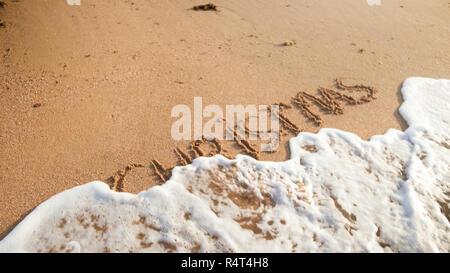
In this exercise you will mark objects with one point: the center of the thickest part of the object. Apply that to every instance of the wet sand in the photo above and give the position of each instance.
(87, 90)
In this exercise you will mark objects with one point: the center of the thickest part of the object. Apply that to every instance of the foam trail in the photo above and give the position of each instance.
(337, 193)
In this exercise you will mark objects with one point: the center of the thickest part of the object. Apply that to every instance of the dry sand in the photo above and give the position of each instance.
(87, 90)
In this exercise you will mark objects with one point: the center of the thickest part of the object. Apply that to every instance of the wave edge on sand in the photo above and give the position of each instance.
(337, 193)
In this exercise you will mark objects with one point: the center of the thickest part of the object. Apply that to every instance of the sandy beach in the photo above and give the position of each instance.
(88, 90)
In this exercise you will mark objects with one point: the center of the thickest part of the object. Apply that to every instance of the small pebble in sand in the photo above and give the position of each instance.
(209, 6)
(8, 52)
(37, 105)
(361, 50)
(289, 43)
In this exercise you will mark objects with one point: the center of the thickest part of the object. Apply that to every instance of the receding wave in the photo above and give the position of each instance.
(337, 193)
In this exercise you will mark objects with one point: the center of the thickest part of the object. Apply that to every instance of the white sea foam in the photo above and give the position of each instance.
(338, 193)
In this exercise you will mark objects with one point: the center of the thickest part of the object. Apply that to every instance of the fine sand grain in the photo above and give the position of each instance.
(86, 91)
